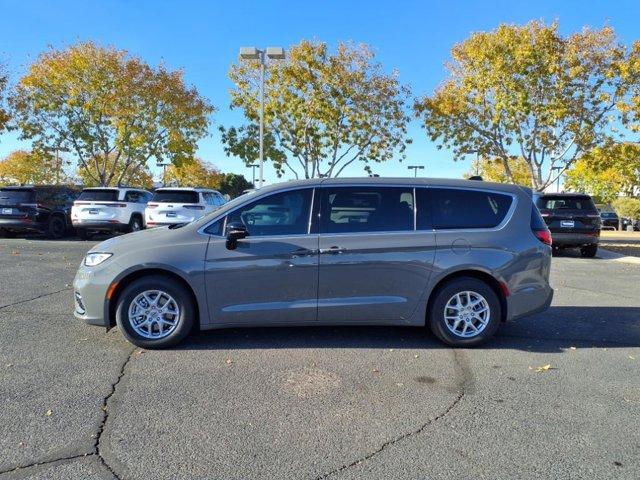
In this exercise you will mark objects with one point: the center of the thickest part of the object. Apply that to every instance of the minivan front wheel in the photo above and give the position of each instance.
(155, 312)
(465, 312)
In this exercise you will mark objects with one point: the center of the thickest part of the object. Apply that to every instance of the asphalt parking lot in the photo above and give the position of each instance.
(314, 403)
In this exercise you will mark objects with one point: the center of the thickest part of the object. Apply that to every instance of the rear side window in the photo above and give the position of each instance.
(459, 209)
(366, 209)
(99, 195)
(12, 196)
(566, 203)
(135, 196)
(176, 196)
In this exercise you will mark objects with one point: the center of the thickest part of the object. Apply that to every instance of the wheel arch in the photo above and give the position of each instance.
(119, 284)
(496, 285)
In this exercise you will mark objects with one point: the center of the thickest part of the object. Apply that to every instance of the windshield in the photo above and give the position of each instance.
(175, 196)
(566, 203)
(99, 195)
(12, 196)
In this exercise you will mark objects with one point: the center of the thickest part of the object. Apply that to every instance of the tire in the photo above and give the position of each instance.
(442, 298)
(135, 224)
(83, 233)
(555, 251)
(56, 227)
(172, 335)
(589, 251)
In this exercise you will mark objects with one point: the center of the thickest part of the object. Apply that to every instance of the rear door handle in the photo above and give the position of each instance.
(333, 250)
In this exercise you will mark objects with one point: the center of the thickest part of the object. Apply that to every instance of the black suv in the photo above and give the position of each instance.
(44, 209)
(572, 219)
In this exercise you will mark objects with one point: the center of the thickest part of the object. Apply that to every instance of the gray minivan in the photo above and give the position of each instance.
(457, 256)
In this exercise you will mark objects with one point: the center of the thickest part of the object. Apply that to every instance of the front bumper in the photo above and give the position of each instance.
(90, 288)
(574, 239)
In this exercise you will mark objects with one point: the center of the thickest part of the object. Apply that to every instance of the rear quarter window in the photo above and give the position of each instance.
(462, 209)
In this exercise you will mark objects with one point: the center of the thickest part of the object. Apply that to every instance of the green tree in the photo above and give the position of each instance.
(629, 106)
(97, 102)
(139, 176)
(528, 91)
(4, 114)
(194, 173)
(492, 170)
(607, 171)
(323, 111)
(31, 168)
(233, 184)
(627, 207)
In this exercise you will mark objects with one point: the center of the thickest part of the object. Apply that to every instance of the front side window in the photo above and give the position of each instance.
(455, 208)
(285, 213)
(366, 209)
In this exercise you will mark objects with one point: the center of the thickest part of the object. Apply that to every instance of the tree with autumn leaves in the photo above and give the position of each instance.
(111, 111)
(528, 92)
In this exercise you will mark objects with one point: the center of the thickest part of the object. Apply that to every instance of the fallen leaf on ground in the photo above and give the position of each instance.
(229, 361)
(15, 252)
(416, 356)
(375, 370)
(9, 365)
(543, 368)
(632, 357)
(49, 413)
(572, 348)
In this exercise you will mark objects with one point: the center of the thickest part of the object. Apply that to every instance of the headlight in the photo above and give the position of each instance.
(93, 259)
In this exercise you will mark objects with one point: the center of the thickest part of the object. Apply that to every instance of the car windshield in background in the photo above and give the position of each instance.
(608, 215)
(99, 195)
(175, 196)
(566, 203)
(12, 196)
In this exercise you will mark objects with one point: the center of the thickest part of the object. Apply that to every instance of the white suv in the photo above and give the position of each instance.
(173, 205)
(109, 209)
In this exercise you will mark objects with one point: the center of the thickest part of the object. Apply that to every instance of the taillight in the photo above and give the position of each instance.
(544, 236)
(545, 213)
(194, 207)
(152, 205)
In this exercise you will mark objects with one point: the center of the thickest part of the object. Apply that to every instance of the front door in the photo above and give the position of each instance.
(271, 277)
(374, 264)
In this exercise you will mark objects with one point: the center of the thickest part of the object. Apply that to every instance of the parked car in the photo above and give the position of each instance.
(43, 209)
(459, 256)
(609, 220)
(170, 206)
(109, 209)
(630, 222)
(573, 220)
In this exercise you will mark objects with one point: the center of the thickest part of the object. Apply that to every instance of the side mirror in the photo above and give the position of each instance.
(235, 231)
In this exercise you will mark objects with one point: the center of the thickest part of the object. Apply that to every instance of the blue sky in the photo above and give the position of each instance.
(203, 37)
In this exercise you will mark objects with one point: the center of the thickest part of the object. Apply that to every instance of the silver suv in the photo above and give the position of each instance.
(457, 256)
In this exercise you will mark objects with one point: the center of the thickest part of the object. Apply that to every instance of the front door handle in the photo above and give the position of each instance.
(302, 252)
(333, 250)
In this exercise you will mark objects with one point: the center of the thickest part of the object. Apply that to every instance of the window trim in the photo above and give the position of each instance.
(224, 218)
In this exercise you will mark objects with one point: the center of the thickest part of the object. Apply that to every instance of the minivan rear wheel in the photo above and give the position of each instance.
(465, 312)
(155, 312)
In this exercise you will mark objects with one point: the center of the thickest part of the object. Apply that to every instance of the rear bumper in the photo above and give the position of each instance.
(574, 239)
(529, 303)
(106, 225)
(22, 224)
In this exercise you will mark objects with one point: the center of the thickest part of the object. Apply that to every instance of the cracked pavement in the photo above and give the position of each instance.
(315, 403)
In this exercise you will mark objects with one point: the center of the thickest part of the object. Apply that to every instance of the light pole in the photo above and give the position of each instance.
(253, 53)
(164, 171)
(253, 173)
(415, 169)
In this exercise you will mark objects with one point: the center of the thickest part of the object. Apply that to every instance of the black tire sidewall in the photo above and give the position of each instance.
(589, 251)
(135, 219)
(51, 231)
(436, 319)
(180, 295)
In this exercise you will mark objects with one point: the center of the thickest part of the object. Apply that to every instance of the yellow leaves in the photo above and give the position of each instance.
(23, 167)
(194, 172)
(48, 413)
(543, 368)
